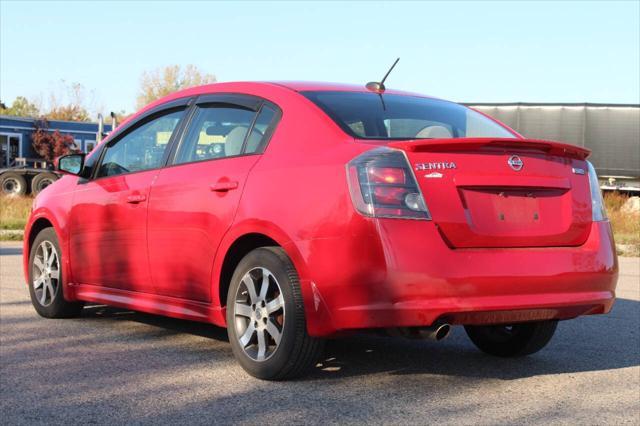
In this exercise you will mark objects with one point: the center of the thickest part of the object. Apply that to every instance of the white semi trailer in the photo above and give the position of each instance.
(610, 131)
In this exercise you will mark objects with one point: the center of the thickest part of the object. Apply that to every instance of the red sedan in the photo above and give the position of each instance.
(293, 212)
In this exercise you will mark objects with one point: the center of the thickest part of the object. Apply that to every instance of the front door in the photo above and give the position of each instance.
(194, 201)
(108, 219)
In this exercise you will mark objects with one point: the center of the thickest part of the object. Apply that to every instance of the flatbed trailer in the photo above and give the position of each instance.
(27, 176)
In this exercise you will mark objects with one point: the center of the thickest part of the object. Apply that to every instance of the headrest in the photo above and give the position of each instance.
(434, 132)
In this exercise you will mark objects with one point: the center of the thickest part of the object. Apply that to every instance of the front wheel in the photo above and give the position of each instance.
(266, 319)
(512, 340)
(46, 278)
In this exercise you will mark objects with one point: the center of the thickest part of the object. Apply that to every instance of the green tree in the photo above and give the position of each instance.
(163, 81)
(21, 107)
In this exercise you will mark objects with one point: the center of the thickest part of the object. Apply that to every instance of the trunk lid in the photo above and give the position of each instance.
(501, 193)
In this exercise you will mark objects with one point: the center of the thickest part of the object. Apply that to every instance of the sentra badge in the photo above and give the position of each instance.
(441, 165)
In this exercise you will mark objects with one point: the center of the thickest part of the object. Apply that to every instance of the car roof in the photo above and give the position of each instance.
(250, 86)
(296, 86)
(320, 86)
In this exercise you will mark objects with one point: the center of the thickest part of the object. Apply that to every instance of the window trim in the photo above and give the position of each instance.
(234, 100)
(266, 137)
(177, 105)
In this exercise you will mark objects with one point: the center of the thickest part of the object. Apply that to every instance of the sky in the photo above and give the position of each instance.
(463, 51)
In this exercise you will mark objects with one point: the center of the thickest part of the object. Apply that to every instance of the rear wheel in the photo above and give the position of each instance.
(512, 340)
(13, 184)
(41, 181)
(266, 319)
(45, 278)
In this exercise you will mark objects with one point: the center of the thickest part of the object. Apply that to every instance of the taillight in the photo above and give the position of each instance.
(383, 185)
(598, 212)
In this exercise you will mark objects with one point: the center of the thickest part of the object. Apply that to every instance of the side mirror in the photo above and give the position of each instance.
(71, 164)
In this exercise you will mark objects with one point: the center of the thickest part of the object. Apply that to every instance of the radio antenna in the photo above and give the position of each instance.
(379, 87)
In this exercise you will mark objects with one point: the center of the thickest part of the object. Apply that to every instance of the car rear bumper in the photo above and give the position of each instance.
(410, 277)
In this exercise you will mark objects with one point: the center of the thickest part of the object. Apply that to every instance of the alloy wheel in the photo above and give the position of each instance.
(46, 273)
(259, 314)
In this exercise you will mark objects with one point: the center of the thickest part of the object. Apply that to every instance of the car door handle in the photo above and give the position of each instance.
(224, 186)
(136, 198)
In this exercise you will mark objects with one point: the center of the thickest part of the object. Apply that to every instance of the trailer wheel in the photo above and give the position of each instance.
(41, 181)
(13, 184)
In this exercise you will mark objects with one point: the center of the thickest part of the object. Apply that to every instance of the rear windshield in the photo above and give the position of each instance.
(389, 116)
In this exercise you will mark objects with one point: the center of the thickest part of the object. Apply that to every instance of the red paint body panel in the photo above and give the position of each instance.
(108, 234)
(187, 221)
(482, 203)
(483, 258)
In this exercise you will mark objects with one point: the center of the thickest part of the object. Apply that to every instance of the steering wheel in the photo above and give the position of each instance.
(215, 150)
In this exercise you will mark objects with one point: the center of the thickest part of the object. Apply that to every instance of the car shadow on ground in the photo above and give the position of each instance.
(592, 343)
(170, 324)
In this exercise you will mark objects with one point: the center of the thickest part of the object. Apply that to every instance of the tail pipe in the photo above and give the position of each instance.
(100, 133)
(114, 121)
(436, 332)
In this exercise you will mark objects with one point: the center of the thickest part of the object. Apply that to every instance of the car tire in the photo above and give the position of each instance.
(512, 340)
(41, 181)
(276, 312)
(13, 184)
(46, 278)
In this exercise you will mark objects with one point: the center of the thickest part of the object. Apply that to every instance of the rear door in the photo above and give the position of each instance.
(193, 202)
(503, 192)
(108, 218)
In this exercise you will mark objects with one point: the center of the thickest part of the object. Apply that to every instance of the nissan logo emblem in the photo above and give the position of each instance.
(515, 163)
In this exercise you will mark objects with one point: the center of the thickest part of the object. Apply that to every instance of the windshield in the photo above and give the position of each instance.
(389, 116)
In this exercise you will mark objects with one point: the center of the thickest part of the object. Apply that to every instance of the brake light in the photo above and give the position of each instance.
(598, 212)
(383, 185)
(386, 175)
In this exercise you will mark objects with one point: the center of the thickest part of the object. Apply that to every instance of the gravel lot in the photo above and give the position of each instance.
(115, 366)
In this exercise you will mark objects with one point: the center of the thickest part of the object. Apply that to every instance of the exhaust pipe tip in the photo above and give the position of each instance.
(441, 332)
(436, 332)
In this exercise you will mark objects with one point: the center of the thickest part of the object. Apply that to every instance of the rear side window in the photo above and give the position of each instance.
(215, 132)
(391, 116)
(262, 126)
(143, 148)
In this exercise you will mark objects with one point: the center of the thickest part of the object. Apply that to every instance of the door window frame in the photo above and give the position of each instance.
(190, 105)
(183, 104)
(232, 100)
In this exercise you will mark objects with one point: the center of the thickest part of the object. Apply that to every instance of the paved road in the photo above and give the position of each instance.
(115, 366)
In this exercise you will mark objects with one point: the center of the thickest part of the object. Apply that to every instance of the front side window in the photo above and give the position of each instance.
(141, 149)
(391, 116)
(215, 132)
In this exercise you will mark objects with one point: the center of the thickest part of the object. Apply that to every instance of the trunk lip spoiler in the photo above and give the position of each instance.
(508, 144)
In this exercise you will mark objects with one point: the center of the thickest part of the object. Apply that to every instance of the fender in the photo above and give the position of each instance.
(316, 323)
(60, 230)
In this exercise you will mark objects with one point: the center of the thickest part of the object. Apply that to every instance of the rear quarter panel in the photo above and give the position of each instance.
(298, 195)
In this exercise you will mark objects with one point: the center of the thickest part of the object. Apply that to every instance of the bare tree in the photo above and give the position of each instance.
(163, 81)
(68, 105)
